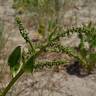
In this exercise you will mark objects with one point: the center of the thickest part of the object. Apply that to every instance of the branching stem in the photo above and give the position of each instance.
(12, 82)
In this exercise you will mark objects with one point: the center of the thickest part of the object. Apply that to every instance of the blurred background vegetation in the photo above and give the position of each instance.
(1, 33)
(41, 11)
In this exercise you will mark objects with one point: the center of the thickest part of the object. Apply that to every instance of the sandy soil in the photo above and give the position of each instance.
(46, 83)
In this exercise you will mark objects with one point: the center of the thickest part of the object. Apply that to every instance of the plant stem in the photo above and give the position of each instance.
(12, 83)
(31, 45)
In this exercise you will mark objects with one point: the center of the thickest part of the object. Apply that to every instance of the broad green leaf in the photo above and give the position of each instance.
(28, 66)
(14, 60)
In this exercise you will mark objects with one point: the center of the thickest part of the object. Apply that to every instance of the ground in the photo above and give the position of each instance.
(46, 83)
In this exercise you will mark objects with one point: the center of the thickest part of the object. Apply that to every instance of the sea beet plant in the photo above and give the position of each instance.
(21, 61)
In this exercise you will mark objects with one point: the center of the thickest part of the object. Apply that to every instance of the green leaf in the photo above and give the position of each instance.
(14, 60)
(28, 66)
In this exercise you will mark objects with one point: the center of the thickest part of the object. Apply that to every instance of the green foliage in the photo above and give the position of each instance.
(33, 5)
(30, 61)
(49, 64)
(35, 10)
(29, 65)
(2, 38)
(0, 93)
(86, 33)
(24, 33)
(1, 28)
(14, 60)
(91, 62)
(83, 55)
(42, 28)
